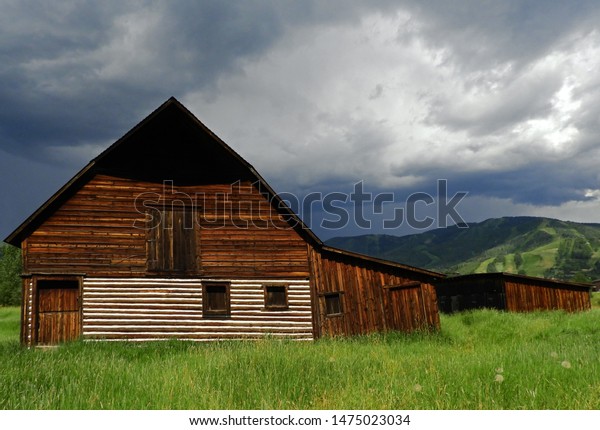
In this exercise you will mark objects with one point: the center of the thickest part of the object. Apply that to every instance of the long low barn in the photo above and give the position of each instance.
(506, 291)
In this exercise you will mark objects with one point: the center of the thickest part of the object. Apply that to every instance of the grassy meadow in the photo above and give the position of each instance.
(480, 360)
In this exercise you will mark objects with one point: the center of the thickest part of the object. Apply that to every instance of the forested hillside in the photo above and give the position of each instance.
(10, 269)
(526, 245)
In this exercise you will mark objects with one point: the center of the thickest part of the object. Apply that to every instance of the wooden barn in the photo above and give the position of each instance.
(169, 233)
(506, 291)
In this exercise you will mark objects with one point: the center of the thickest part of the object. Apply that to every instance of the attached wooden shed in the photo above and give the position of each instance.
(506, 291)
(169, 233)
(358, 294)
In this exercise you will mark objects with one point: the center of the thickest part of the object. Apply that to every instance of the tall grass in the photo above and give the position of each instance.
(596, 300)
(9, 324)
(480, 360)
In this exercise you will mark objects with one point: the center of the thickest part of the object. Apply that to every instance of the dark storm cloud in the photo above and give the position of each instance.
(545, 182)
(34, 110)
(556, 188)
(500, 97)
(76, 72)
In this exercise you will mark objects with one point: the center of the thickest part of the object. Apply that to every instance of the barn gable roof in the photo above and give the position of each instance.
(171, 143)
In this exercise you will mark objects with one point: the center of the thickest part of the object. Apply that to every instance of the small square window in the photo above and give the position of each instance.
(333, 304)
(276, 297)
(215, 300)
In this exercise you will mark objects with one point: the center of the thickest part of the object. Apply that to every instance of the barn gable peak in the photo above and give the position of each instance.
(170, 144)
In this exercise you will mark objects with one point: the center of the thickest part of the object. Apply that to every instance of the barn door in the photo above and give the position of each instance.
(58, 316)
(172, 240)
(405, 310)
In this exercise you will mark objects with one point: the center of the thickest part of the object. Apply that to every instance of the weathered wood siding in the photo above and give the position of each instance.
(404, 307)
(59, 315)
(523, 296)
(155, 308)
(510, 292)
(100, 231)
(50, 309)
(369, 303)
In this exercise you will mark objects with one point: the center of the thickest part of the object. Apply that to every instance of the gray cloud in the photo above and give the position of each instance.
(501, 98)
(521, 98)
(482, 35)
(80, 71)
(83, 72)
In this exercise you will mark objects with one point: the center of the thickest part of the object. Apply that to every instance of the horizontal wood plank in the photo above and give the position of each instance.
(100, 231)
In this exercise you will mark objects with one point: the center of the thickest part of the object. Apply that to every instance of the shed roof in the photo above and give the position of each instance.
(172, 143)
(555, 283)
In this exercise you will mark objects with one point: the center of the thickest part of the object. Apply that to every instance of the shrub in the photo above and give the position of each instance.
(10, 269)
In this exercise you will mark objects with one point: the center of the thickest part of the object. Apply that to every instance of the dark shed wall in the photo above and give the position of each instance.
(374, 297)
(510, 292)
(455, 295)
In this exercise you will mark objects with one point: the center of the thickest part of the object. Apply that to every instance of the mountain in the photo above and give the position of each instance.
(527, 245)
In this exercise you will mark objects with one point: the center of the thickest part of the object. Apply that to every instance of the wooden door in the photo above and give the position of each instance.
(405, 310)
(58, 317)
(172, 241)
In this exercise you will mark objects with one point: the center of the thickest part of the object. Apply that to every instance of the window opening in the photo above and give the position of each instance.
(333, 304)
(276, 297)
(215, 300)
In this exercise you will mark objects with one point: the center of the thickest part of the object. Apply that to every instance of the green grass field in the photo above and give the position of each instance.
(479, 360)
(9, 325)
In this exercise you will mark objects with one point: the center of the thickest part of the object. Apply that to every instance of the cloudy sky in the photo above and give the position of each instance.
(502, 99)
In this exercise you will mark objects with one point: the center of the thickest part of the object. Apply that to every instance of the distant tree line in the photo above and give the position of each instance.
(10, 269)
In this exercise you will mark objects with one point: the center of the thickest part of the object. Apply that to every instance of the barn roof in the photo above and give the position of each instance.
(349, 255)
(172, 143)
